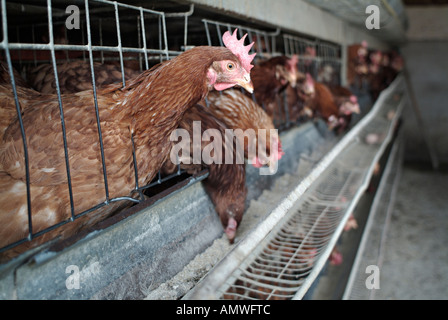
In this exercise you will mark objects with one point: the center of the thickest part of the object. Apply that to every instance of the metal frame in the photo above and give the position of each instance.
(371, 249)
(326, 54)
(268, 37)
(52, 47)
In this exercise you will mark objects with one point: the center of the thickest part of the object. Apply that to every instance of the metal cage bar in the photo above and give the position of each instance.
(61, 112)
(52, 47)
(320, 59)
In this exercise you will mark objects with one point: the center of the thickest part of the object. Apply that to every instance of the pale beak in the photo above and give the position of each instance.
(246, 83)
(356, 109)
(294, 79)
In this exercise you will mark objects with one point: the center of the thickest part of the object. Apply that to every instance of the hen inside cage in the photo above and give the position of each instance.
(51, 58)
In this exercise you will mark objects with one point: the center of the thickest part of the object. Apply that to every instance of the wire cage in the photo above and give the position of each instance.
(128, 39)
(320, 59)
(265, 42)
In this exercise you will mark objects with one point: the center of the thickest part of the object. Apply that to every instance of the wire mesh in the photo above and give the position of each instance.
(392, 11)
(136, 37)
(265, 43)
(322, 60)
(46, 39)
(371, 248)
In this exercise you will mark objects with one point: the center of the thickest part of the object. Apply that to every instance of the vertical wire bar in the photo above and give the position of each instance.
(67, 55)
(207, 32)
(100, 135)
(18, 40)
(218, 31)
(185, 32)
(249, 36)
(33, 39)
(165, 37)
(61, 111)
(120, 48)
(142, 23)
(83, 40)
(19, 115)
(285, 44)
(160, 37)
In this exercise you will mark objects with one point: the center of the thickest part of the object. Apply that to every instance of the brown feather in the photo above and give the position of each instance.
(75, 76)
(226, 183)
(149, 108)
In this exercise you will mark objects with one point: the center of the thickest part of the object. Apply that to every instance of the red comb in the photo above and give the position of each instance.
(237, 47)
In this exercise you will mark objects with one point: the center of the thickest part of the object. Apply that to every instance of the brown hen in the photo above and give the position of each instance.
(238, 111)
(270, 78)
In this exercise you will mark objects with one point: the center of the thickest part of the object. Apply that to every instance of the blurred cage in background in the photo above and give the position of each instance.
(320, 59)
(265, 42)
(135, 38)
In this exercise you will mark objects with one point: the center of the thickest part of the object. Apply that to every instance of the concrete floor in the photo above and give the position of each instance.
(416, 253)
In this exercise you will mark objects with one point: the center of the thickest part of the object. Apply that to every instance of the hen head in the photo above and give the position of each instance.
(305, 86)
(225, 74)
(350, 106)
(288, 72)
(231, 215)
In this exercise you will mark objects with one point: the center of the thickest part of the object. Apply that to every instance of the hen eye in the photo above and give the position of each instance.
(230, 66)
